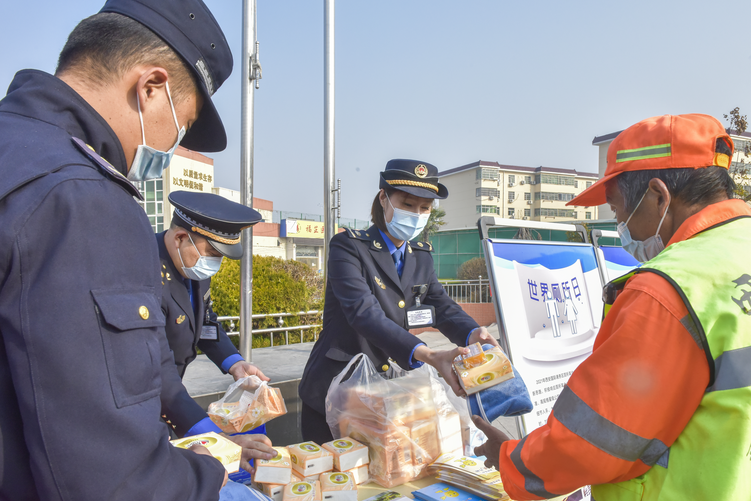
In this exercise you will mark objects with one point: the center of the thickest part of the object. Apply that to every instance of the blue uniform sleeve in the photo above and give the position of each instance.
(205, 425)
(466, 343)
(414, 364)
(230, 361)
(218, 351)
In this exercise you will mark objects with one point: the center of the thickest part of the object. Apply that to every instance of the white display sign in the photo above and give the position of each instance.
(549, 296)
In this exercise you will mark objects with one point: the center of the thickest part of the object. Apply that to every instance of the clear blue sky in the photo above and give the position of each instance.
(525, 83)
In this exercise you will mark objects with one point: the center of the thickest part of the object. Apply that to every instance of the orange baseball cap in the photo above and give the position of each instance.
(664, 142)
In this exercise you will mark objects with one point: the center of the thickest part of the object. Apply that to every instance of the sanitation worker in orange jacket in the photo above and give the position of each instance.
(639, 418)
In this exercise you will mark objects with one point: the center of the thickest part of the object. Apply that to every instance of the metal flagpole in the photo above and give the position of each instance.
(251, 73)
(329, 187)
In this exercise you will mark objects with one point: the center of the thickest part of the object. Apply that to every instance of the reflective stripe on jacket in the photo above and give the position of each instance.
(626, 405)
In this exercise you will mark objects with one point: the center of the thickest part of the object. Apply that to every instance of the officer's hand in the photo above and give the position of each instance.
(443, 363)
(243, 369)
(200, 449)
(482, 336)
(254, 447)
(492, 448)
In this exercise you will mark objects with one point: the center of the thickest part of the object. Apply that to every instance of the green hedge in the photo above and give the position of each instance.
(279, 286)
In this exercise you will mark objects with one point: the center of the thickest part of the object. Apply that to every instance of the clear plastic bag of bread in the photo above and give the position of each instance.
(396, 418)
(247, 404)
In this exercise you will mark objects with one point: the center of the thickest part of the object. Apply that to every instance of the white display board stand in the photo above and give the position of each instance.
(614, 262)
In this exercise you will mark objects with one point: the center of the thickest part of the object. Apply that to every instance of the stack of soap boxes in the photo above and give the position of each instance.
(306, 471)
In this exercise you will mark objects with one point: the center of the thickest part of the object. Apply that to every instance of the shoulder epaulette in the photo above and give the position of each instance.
(358, 234)
(107, 167)
(421, 246)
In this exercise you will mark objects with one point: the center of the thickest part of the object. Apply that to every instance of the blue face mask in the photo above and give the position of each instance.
(406, 225)
(148, 162)
(642, 250)
(205, 267)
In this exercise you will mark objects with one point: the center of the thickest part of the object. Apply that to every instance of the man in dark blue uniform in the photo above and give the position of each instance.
(205, 228)
(381, 283)
(83, 356)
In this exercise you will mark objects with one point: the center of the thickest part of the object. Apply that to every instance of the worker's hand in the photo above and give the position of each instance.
(243, 369)
(492, 448)
(482, 336)
(200, 449)
(254, 447)
(443, 363)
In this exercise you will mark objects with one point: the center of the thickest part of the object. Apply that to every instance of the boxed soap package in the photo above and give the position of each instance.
(348, 453)
(478, 371)
(338, 486)
(302, 491)
(227, 452)
(308, 458)
(360, 474)
(275, 491)
(277, 470)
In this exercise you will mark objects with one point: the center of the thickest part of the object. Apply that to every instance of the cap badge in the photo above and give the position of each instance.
(421, 170)
(379, 283)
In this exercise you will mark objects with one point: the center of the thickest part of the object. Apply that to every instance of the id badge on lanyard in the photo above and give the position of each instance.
(209, 329)
(420, 315)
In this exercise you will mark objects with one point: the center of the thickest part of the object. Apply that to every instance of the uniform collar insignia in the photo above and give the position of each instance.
(377, 244)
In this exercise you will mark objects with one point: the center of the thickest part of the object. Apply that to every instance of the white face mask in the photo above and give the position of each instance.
(406, 225)
(205, 267)
(642, 250)
(149, 163)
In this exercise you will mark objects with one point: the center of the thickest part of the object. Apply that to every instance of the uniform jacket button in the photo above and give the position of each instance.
(385, 367)
(401, 304)
(144, 312)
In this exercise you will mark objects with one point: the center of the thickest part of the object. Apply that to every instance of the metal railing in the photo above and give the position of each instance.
(468, 291)
(280, 320)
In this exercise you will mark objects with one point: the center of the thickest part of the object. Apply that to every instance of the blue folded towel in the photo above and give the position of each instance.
(509, 398)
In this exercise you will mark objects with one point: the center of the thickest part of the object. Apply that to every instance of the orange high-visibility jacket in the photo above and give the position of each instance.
(641, 385)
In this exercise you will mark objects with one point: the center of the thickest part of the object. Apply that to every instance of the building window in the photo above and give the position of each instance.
(555, 213)
(587, 215)
(511, 196)
(511, 213)
(528, 179)
(153, 205)
(589, 183)
(487, 209)
(555, 197)
(511, 178)
(488, 192)
(527, 196)
(555, 179)
(487, 173)
(527, 212)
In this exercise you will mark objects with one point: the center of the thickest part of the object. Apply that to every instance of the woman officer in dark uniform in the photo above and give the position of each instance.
(375, 278)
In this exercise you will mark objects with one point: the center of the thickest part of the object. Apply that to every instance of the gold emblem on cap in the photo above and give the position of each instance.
(180, 319)
(385, 367)
(401, 304)
(144, 312)
(377, 245)
(379, 283)
(421, 170)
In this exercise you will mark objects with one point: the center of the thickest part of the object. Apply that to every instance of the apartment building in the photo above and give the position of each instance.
(533, 193)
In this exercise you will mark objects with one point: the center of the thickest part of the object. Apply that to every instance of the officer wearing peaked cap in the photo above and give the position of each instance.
(205, 228)
(380, 282)
(80, 291)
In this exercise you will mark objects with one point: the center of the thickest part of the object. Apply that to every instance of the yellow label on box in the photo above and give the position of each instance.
(496, 369)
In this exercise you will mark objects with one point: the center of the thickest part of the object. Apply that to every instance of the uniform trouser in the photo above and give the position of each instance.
(314, 427)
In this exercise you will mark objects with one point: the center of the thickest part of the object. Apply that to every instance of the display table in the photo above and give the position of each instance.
(370, 489)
